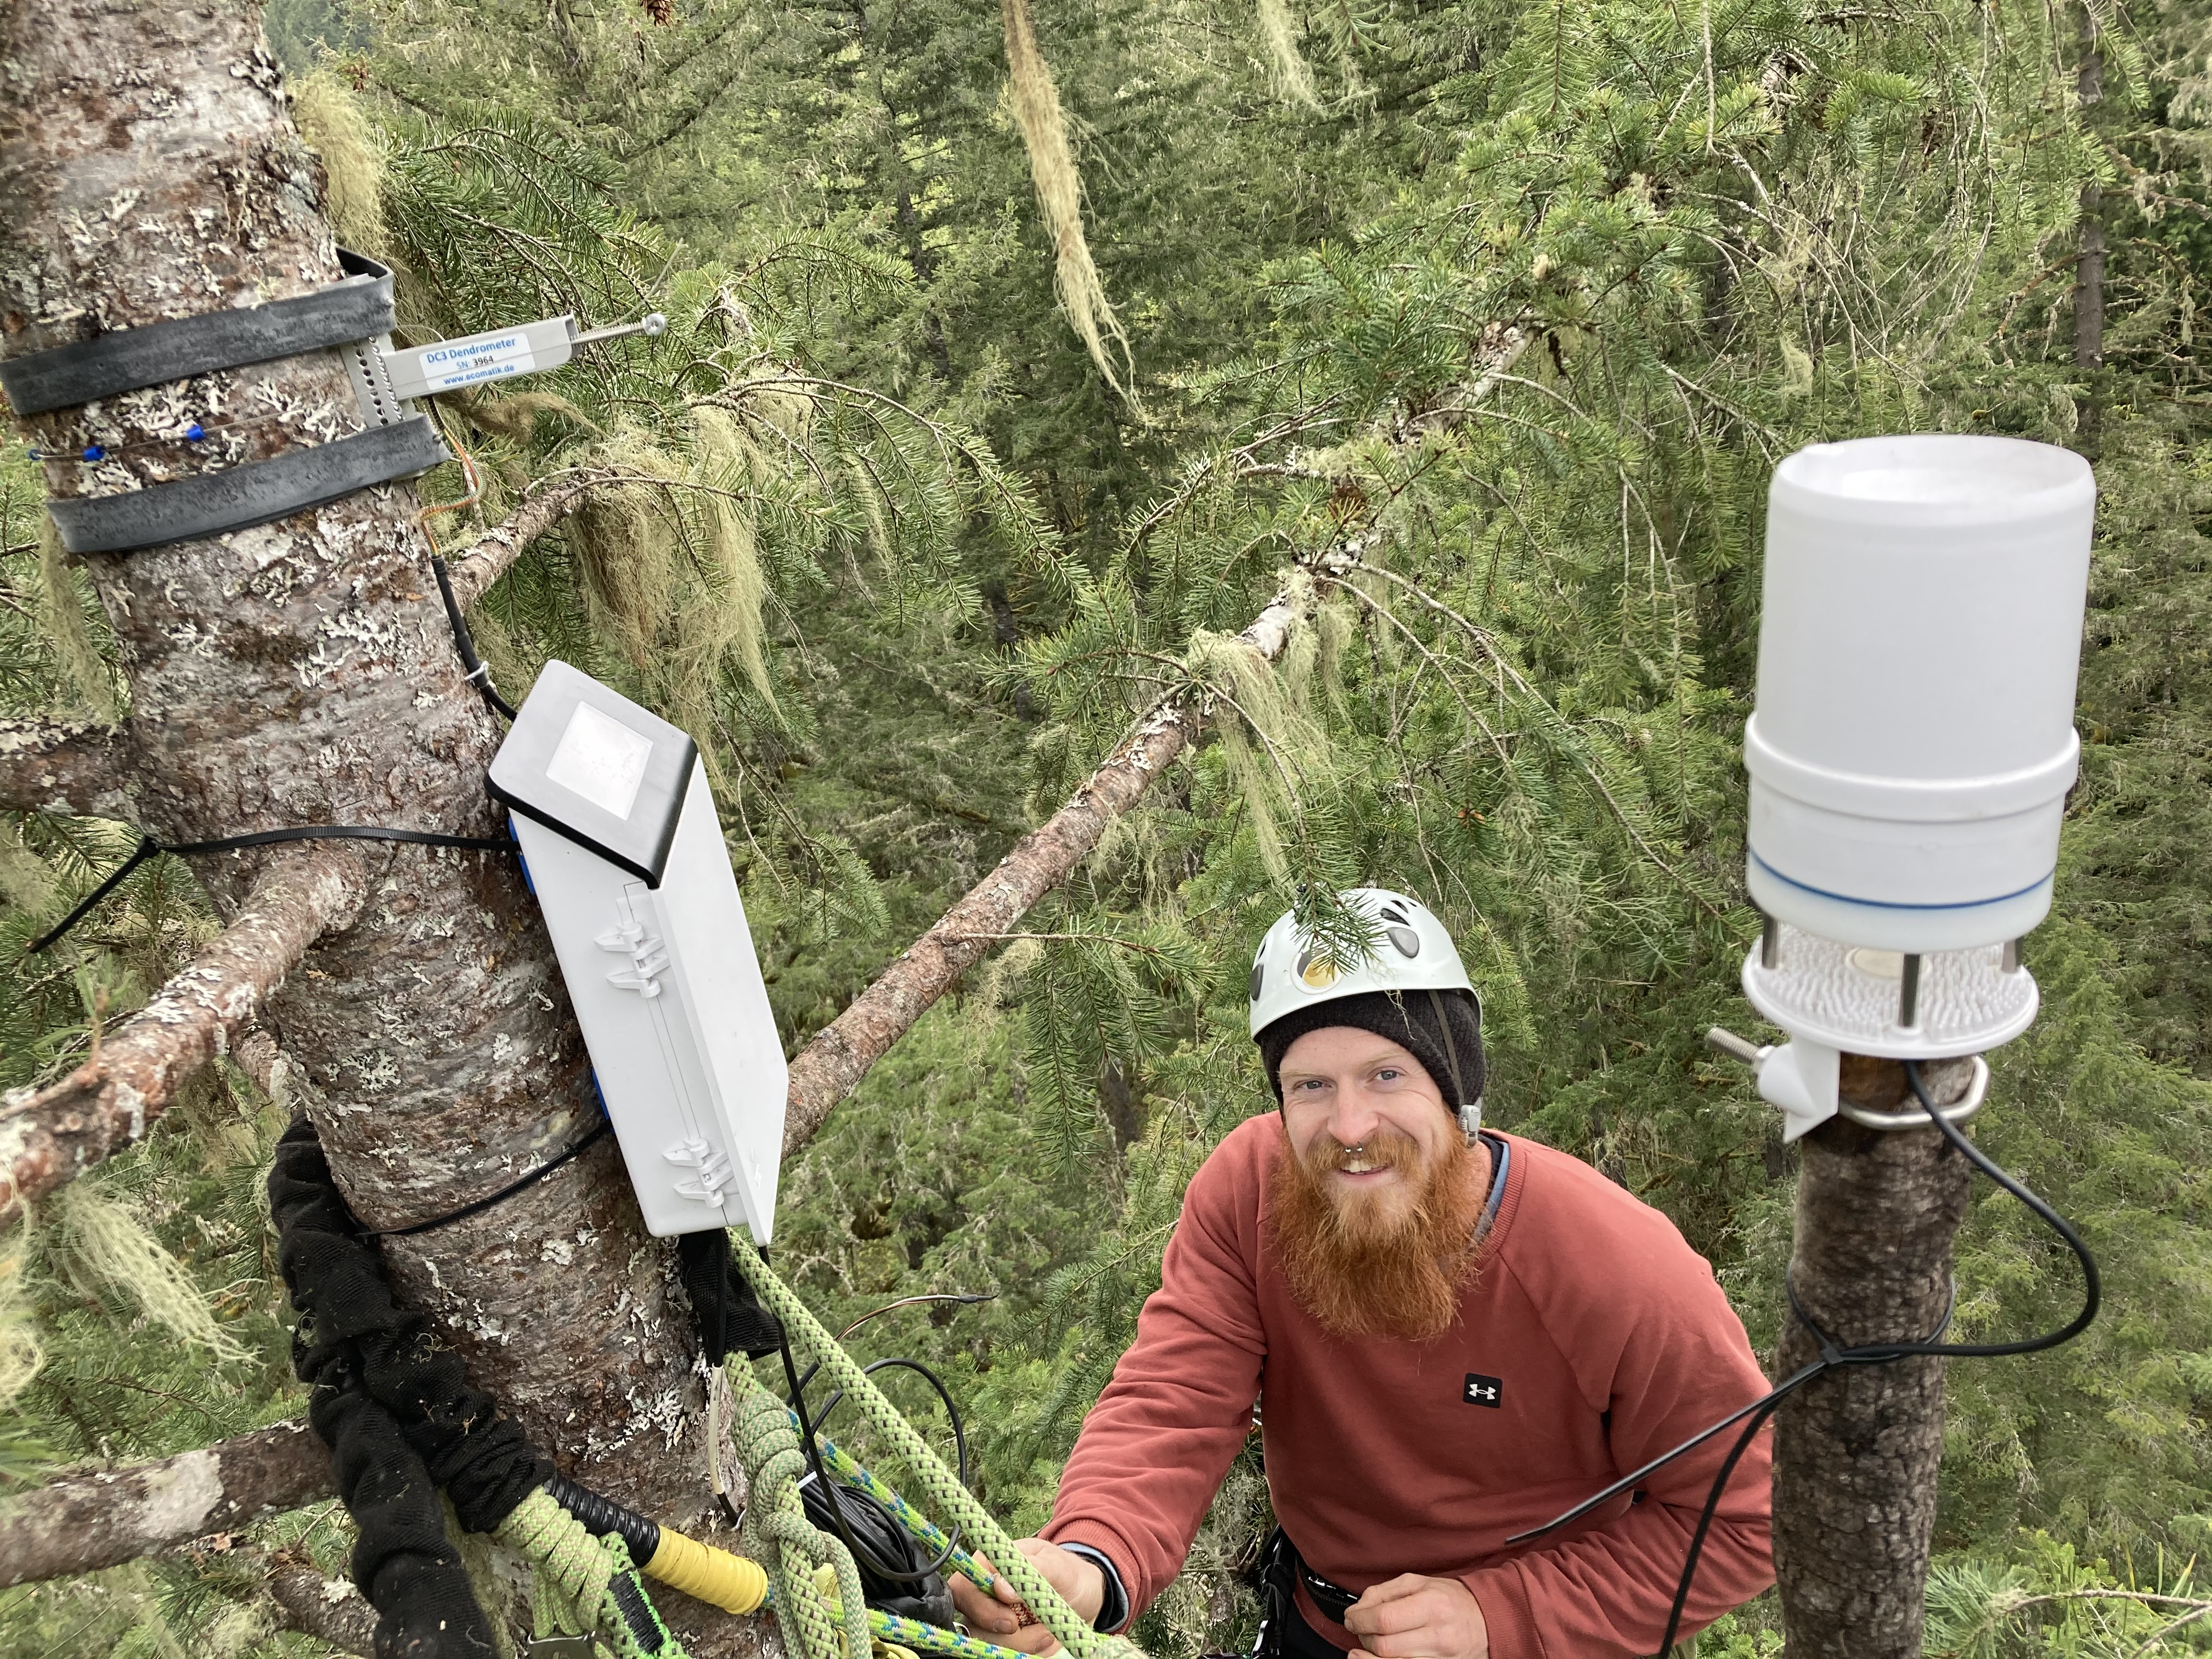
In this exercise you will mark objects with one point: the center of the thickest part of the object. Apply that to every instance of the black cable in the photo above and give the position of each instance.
(959, 1437)
(505, 1193)
(1870, 1353)
(1765, 1409)
(147, 846)
(835, 1492)
(479, 674)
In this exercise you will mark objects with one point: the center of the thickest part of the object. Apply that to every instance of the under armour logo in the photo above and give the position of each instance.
(1483, 1390)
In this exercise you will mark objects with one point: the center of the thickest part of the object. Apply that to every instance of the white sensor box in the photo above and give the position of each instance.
(623, 847)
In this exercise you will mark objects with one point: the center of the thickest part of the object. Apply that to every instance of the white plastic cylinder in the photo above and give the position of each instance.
(1920, 634)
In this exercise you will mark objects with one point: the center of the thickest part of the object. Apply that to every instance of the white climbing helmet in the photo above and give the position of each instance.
(1414, 954)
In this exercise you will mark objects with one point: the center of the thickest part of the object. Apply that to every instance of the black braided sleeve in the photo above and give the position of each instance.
(350, 1323)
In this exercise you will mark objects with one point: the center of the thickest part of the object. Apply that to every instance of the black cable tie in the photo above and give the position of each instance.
(500, 1197)
(147, 846)
(231, 498)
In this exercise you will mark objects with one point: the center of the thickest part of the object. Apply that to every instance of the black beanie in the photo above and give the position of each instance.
(1409, 1019)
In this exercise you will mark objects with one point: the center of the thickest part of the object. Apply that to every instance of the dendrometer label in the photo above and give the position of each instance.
(481, 357)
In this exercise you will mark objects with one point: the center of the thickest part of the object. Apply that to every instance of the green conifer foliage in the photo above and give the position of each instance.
(1478, 328)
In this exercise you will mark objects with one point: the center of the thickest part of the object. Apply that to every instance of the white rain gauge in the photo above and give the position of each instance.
(623, 847)
(1911, 753)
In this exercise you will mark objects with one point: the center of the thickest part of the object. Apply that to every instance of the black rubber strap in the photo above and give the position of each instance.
(147, 846)
(240, 498)
(358, 308)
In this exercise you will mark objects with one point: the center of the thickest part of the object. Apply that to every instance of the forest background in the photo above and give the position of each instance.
(1486, 320)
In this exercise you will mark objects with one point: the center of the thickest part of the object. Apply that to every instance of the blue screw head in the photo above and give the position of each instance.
(194, 433)
(95, 453)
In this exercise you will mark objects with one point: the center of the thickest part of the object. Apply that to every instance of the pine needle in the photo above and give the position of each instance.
(72, 639)
(1036, 103)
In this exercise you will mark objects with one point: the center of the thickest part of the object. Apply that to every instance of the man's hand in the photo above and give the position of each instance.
(999, 1616)
(1412, 1617)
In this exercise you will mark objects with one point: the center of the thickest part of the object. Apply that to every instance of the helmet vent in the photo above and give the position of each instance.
(1392, 913)
(1407, 941)
(1259, 977)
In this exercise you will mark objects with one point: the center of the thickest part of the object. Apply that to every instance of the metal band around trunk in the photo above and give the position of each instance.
(125, 359)
(240, 498)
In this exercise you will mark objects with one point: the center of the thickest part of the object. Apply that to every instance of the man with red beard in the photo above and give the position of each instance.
(1453, 1335)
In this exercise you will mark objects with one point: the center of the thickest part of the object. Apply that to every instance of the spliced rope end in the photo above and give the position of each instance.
(586, 1581)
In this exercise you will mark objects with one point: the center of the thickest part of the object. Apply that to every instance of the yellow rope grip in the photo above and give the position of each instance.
(715, 1575)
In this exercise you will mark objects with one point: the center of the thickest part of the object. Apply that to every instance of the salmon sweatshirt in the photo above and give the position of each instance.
(1589, 1340)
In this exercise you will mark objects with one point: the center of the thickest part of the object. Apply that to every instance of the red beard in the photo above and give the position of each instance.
(1368, 1264)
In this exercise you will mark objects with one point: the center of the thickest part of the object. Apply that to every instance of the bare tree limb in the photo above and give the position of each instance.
(329, 1609)
(83, 1523)
(545, 506)
(49, 1136)
(828, 1068)
(76, 767)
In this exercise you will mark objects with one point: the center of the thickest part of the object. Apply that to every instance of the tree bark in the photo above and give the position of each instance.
(301, 672)
(64, 765)
(50, 1136)
(83, 1523)
(1856, 1450)
(329, 1609)
(830, 1067)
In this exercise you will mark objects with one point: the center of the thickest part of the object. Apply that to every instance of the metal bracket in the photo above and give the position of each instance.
(1959, 1112)
(1801, 1077)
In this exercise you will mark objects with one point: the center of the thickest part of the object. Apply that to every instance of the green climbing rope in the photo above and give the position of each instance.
(941, 1488)
(583, 1585)
(778, 1534)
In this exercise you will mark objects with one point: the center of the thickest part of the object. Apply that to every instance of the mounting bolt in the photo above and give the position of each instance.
(1908, 991)
(1770, 942)
(1736, 1047)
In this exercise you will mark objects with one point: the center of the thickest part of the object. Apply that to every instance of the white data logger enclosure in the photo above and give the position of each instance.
(624, 849)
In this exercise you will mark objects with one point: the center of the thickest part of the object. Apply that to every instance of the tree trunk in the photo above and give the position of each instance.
(301, 673)
(1856, 1450)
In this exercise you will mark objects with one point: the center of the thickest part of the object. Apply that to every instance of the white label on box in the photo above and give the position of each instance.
(483, 357)
(601, 759)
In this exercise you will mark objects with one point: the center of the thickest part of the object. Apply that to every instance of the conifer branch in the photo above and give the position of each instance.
(548, 502)
(830, 1067)
(76, 767)
(83, 1523)
(329, 1609)
(50, 1136)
